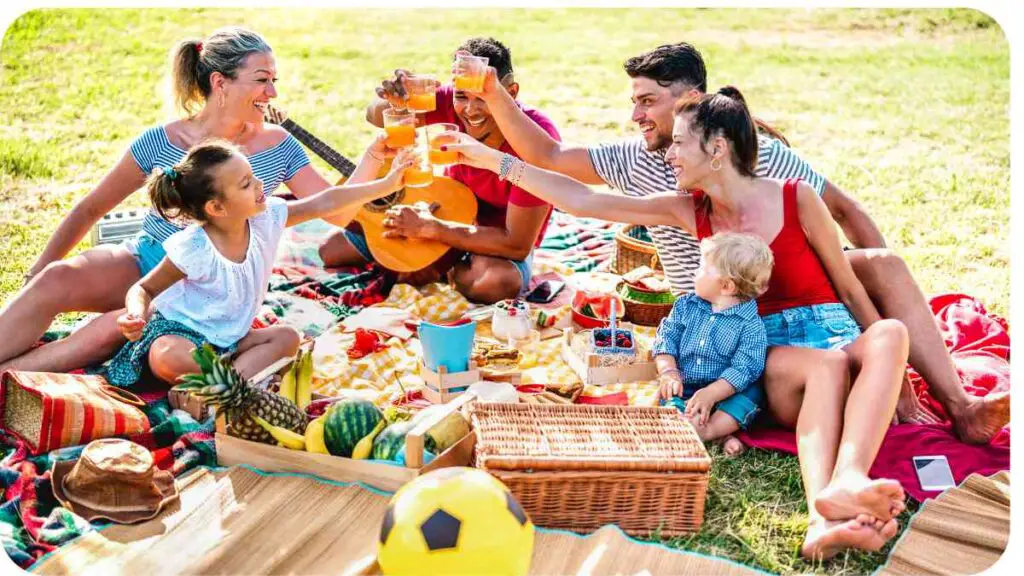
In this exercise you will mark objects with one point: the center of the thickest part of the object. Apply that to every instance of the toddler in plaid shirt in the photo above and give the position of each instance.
(710, 349)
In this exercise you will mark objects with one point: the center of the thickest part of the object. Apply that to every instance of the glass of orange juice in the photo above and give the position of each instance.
(421, 173)
(400, 126)
(470, 72)
(439, 135)
(422, 91)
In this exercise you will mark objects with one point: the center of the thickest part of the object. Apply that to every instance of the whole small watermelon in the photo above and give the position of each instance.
(347, 422)
(389, 443)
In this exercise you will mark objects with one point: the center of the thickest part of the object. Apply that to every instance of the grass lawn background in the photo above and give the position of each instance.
(908, 110)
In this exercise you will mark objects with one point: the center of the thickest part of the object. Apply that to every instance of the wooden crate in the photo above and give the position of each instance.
(591, 372)
(438, 385)
(233, 451)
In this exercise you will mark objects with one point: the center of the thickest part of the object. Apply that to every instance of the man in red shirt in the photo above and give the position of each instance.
(510, 221)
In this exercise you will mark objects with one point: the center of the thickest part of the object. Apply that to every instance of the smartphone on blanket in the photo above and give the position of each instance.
(545, 291)
(933, 472)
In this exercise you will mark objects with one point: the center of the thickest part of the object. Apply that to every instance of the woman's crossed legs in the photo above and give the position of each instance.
(839, 429)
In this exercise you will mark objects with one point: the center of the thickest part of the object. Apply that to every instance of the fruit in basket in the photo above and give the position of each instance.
(284, 436)
(347, 422)
(304, 378)
(390, 443)
(287, 387)
(365, 446)
(315, 436)
(455, 521)
(448, 431)
(220, 385)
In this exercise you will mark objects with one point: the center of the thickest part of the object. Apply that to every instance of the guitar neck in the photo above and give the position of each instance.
(320, 148)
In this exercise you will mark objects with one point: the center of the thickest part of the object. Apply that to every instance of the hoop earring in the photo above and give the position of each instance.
(715, 168)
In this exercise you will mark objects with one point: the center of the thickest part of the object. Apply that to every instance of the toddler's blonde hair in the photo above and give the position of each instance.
(743, 258)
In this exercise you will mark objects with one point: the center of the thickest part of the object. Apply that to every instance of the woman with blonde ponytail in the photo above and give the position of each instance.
(222, 85)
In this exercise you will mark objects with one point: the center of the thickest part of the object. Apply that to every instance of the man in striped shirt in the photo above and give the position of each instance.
(637, 167)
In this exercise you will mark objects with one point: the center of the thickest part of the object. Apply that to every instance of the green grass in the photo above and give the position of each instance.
(908, 110)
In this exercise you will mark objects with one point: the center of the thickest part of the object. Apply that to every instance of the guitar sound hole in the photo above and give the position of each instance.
(382, 204)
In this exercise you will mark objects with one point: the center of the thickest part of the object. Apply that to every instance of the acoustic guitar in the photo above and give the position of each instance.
(454, 200)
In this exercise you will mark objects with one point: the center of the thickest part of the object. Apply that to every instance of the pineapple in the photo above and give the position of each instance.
(220, 385)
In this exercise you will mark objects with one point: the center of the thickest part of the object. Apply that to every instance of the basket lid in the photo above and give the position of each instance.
(586, 438)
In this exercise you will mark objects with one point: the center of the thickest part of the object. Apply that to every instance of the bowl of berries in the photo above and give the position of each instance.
(613, 341)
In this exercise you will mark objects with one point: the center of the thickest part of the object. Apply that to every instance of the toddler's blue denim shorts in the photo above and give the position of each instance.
(742, 406)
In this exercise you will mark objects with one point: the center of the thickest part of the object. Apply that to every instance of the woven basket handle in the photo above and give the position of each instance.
(122, 395)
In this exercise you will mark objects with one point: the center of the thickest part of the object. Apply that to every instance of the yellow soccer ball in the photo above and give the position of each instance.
(455, 521)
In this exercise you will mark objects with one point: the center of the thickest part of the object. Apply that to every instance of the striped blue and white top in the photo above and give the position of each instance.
(273, 166)
(629, 167)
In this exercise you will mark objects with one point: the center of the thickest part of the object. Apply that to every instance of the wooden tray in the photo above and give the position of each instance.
(233, 451)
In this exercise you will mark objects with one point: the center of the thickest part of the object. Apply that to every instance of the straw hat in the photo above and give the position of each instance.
(113, 479)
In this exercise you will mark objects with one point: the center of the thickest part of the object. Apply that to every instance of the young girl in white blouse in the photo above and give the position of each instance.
(213, 280)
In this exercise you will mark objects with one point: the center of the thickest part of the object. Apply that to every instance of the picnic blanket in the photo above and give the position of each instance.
(32, 523)
(574, 244)
(218, 526)
(979, 343)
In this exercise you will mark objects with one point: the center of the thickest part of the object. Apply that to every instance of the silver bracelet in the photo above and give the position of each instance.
(669, 371)
(518, 168)
(506, 165)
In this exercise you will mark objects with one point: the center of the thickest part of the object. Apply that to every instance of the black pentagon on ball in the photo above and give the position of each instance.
(441, 530)
(516, 509)
(387, 525)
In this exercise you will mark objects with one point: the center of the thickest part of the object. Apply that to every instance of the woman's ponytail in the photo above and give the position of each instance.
(733, 92)
(762, 126)
(186, 74)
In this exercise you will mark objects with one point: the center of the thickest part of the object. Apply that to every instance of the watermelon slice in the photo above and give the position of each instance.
(598, 304)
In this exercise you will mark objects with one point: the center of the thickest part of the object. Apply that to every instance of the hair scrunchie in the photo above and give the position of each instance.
(171, 173)
(199, 47)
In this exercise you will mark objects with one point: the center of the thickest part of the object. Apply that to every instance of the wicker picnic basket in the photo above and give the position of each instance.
(645, 307)
(580, 467)
(633, 249)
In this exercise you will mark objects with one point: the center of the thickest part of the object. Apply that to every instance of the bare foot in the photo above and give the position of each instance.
(983, 418)
(909, 409)
(886, 529)
(845, 499)
(732, 446)
(826, 538)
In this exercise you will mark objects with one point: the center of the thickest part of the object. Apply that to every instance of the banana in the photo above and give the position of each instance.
(304, 381)
(287, 388)
(315, 436)
(364, 446)
(284, 436)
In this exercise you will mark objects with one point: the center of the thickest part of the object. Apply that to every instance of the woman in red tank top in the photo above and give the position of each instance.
(836, 386)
